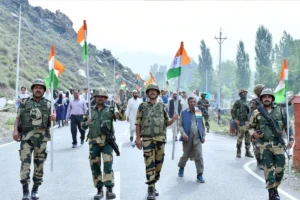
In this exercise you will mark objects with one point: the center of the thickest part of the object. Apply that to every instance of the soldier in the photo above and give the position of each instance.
(98, 144)
(34, 115)
(272, 151)
(123, 99)
(151, 122)
(203, 105)
(254, 104)
(239, 113)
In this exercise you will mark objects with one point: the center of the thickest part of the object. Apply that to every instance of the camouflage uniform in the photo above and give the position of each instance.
(97, 141)
(123, 103)
(153, 132)
(270, 148)
(34, 125)
(240, 112)
(204, 109)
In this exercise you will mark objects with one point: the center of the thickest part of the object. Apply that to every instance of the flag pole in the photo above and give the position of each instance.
(52, 110)
(87, 67)
(287, 112)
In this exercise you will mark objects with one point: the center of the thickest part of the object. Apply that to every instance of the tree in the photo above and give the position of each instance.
(243, 72)
(263, 49)
(205, 66)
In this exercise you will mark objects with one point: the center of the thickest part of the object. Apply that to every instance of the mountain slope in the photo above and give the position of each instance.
(40, 30)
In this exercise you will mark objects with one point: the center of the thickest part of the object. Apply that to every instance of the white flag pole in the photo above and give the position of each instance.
(287, 116)
(52, 109)
(87, 68)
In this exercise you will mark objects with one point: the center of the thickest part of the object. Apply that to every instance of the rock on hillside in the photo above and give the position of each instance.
(40, 30)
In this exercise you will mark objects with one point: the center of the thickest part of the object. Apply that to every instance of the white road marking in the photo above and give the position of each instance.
(126, 132)
(247, 168)
(3, 145)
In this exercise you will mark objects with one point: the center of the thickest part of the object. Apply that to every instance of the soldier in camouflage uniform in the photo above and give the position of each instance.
(254, 104)
(151, 123)
(123, 100)
(240, 113)
(272, 151)
(32, 130)
(203, 105)
(98, 144)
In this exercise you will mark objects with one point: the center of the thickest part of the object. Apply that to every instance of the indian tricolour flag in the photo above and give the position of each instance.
(198, 114)
(123, 86)
(82, 39)
(181, 59)
(281, 89)
(55, 70)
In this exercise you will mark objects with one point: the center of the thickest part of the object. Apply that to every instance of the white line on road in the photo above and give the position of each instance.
(3, 145)
(247, 168)
(126, 131)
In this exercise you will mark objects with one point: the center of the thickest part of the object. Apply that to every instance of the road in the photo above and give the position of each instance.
(226, 176)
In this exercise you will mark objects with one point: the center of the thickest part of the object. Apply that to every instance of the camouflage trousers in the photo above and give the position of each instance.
(256, 149)
(106, 150)
(243, 133)
(206, 119)
(274, 162)
(39, 158)
(154, 153)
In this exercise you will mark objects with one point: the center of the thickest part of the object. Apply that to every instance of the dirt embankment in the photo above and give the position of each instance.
(7, 120)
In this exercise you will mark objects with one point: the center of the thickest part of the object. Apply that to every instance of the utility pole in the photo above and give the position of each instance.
(220, 40)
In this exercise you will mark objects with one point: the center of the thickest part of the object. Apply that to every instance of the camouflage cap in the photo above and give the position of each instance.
(203, 93)
(36, 116)
(267, 92)
(101, 92)
(258, 89)
(153, 86)
(38, 82)
(243, 90)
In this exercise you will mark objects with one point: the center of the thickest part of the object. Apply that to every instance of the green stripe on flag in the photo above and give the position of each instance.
(84, 51)
(51, 78)
(173, 73)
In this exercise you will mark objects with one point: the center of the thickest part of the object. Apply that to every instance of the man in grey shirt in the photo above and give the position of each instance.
(76, 109)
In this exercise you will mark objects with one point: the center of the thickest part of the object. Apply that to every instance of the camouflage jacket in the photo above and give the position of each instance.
(258, 122)
(153, 122)
(240, 111)
(35, 119)
(203, 108)
(107, 114)
(123, 100)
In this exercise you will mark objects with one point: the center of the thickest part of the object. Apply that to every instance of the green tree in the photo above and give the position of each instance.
(243, 72)
(205, 66)
(263, 49)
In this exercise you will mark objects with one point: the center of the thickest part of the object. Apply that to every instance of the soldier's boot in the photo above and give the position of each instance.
(248, 153)
(34, 192)
(238, 150)
(99, 194)
(180, 172)
(156, 193)
(207, 130)
(260, 164)
(151, 193)
(109, 193)
(272, 195)
(131, 139)
(26, 194)
(277, 197)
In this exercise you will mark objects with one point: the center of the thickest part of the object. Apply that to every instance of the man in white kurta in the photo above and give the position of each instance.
(131, 111)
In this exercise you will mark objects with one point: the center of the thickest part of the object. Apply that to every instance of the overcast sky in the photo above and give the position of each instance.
(158, 27)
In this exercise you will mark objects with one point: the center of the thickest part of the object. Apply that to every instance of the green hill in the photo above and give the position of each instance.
(40, 30)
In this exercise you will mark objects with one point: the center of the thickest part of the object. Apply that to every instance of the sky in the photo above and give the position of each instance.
(158, 27)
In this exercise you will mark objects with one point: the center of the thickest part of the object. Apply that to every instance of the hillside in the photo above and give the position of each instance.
(40, 30)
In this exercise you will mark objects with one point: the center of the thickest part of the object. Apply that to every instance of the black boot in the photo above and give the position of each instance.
(109, 193)
(277, 197)
(260, 164)
(151, 193)
(238, 150)
(26, 195)
(99, 194)
(156, 193)
(34, 192)
(248, 153)
(131, 139)
(272, 194)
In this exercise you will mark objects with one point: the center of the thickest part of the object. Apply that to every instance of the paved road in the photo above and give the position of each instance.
(225, 176)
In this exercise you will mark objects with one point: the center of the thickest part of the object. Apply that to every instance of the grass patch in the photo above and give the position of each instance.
(215, 127)
(9, 124)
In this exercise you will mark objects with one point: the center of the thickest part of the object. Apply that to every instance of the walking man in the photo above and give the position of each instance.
(151, 122)
(192, 132)
(272, 151)
(76, 109)
(98, 144)
(172, 111)
(34, 114)
(240, 113)
(132, 107)
(203, 105)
